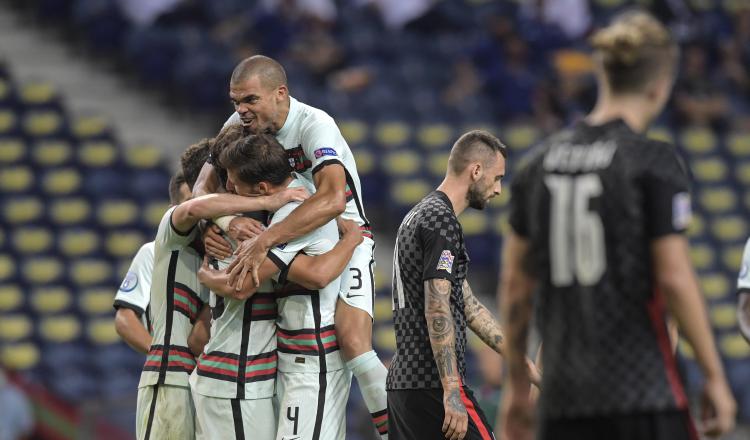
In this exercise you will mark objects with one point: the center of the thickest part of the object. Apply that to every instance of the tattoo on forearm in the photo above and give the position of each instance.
(454, 400)
(482, 322)
(441, 328)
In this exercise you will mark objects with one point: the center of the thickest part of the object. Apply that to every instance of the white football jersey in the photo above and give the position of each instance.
(135, 291)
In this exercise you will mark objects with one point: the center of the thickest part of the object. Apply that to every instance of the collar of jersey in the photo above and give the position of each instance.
(293, 111)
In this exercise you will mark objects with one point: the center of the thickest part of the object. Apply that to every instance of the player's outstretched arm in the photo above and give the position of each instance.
(743, 313)
(442, 331)
(131, 330)
(676, 280)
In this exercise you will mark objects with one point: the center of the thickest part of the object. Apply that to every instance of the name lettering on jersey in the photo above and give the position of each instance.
(446, 261)
(570, 158)
(681, 210)
(297, 159)
(320, 152)
(130, 282)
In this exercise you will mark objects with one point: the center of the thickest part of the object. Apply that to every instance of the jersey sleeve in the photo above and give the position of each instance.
(313, 243)
(667, 194)
(743, 280)
(168, 236)
(323, 143)
(135, 291)
(233, 119)
(440, 248)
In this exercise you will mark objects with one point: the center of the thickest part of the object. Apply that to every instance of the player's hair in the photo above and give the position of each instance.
(270, 72)
(174, 187)
(633, 49)
(257, 158)
(472, 146)
(192, 161)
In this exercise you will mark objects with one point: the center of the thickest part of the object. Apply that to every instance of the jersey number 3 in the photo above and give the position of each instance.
(577, 251)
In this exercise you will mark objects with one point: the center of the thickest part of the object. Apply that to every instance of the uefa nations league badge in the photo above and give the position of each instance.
(130, 282)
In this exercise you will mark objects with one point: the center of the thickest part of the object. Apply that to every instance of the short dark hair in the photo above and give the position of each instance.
(257, 158)
(174, 187)
(226, 137)
(270, 72)
(192, 161)
(472, 146)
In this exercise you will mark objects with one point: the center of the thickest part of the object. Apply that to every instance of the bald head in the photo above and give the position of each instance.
(268, 70)
(472, 147)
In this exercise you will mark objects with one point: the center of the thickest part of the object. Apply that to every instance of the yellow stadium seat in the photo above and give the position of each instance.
(42, 269)
(697, 226)
(474, 222)
(391, 134)
(52, 152)
(723, 316)
(710, 170)
(435, 135)
(97, 153)
(17, 178)
(437, 163)
(78, 242)
(702, 256)
(124, 243)
(661, 134)
(69, 211)
(520, 136)
(31, 240)
(102, 331)
(51, 299)
(8, 120)
(739, 143)
(355, 132)
(87, 272)
(62, 181)
(729, 228)
(143, 156)
(742, 172)
(117, 212)
(734, 346)
(22, 210)
(718, 199)
(500, 201)
(732, 257)
(715, 285)
(37, 92)
(385, 338)
(685, 349)
(7, 267)
(365, 161)
(409, 192)
(382, 275)
(20, 357)
(500, 224)
(15, 327)
(154, 212)
(699, 140)
(96, 301)
(402, 163)
(42, 122)
(89, 126)
(11, 150)
(64, 328)
(11, 297)
(383, 309)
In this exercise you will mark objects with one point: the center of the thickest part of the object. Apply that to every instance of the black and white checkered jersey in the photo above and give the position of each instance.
(429, 244)
(590, 200)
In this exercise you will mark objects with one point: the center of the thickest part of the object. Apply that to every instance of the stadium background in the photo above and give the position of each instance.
(99, 97)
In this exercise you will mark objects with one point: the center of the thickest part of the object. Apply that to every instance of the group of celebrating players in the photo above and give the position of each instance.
(254, 303)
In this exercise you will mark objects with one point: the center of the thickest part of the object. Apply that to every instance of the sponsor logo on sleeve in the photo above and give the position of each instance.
(281, 246)
(320, 152)
(681, 210)
(130, 282)
(446, 261)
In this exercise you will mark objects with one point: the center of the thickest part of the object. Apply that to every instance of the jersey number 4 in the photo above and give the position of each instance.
(577, 248)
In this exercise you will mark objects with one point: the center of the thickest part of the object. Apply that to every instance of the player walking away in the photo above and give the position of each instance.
(132, 321)
(318, 152)
(433, 303)
(597, 214)
(743, 294)
(165, 408)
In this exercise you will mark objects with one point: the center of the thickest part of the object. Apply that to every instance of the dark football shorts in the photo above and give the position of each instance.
(666, 425)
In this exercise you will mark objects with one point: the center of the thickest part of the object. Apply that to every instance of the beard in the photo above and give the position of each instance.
(476, 196)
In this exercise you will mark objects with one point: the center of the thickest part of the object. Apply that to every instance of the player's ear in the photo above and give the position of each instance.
(282, 92)
(476, 171)
(263, 188)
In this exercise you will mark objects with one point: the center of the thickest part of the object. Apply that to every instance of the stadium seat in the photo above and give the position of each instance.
(153, 213)
(718, 199)
(42, 270)
(402, 163)
(437, 163)
(734, 346)
(12, 150)
(382, 309)
(77, 242)
(354, 131)
(723, 316)
(7, 267)
(22, 210)
(8, 122)
(407, 192)
(500, 202)
(69, 211)
(143, 156)
(20, 357)
(12, 297)
(739, 144)
(88, 272)
(96, 300)
(702, 255)
(37, 93)
(384, 338)
(52, 152)
(44, 123)
(15, 327)
(732, 257)
(151, 184)
(365, 160)
(16, 179)
(500, 224)
(124, 243)
(715, 285)
(61, 181)
(113, 213)
(474, 222)
(101, 331)
(520, 136)
(392, 134)
(89, 127)
(610, 4)
(32, 240)
(97, 154)
(699, 140)
(59, 329)
(46, 300)
(729, 228)
(697, 226)
(434, 136)
(711, 170)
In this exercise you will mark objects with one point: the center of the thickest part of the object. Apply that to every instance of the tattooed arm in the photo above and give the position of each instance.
(481, 321)
(442, 331)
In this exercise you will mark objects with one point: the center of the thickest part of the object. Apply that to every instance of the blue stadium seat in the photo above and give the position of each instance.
(151, 184)
(104, 183)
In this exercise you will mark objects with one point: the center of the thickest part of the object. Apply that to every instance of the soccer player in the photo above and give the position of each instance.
(132, 320)
(318, 152)
(165, 408)
(597, 215)
(433, 303)
(312, 383)
(743, 294)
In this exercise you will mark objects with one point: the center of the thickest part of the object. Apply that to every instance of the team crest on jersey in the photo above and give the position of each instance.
(297, 159)
(130, 282)
(320, 152)
(446, 261)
